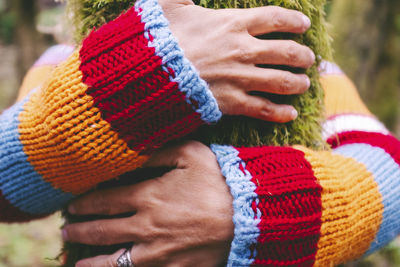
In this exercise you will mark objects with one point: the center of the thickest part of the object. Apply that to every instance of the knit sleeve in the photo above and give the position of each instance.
(297, 207)
(126, 91)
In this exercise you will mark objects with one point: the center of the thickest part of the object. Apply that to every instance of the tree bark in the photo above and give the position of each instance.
(28, 40)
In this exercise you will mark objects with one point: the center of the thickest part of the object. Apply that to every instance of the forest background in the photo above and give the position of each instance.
(366, 39)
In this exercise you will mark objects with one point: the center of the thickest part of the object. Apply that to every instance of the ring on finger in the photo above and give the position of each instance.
(124, 260)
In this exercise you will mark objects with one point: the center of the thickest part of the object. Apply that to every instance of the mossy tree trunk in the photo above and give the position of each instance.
(366, 37)
(27, 38)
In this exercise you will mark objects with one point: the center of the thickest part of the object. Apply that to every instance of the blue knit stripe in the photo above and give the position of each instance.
(243, 192)
(20, 184)
(387, 175)
(167, 48)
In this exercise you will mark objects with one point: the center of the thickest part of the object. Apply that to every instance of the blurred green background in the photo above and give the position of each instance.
(366, 35)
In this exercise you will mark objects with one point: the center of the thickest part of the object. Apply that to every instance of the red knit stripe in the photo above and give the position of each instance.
(387, 142)
(9, 213)
(289, 201)
(130, 87)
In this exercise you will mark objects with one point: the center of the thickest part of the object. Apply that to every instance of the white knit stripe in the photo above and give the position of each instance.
(243, 192)
(352, 122)
(329, 68)
(54, 55)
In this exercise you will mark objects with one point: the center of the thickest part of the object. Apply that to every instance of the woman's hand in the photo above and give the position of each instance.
(222, 46)
(183, 218)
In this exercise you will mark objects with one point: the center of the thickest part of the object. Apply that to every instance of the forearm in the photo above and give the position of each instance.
(295, 206)
(125, 92)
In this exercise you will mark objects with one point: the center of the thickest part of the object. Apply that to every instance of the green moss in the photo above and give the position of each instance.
(89, 14)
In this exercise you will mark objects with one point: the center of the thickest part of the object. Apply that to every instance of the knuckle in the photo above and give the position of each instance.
(241, 104)
(236, 24)
(150, 234)
(277, 18)
(99, 203)
(243, 53)
(267, 112)
(97, 234)
(292, 52)
(150, 202)
(185, 153)
(285, 84)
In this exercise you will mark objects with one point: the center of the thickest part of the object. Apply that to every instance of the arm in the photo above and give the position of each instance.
(317, 208)
(114, 100)
(291, 206)
(126, 91)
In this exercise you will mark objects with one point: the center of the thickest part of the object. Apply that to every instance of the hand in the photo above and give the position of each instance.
(222, 46)
(183, 218)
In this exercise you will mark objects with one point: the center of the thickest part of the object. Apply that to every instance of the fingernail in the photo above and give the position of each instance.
(64, 235)
(306, 21)
(294, 114)
(308, 82)
(312, 56)
(71, 209)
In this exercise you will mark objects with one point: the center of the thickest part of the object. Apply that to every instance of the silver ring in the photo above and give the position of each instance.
(125, 259)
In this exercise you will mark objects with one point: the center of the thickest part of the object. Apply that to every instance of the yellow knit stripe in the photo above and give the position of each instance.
(350, 204)
(65, 138)
(341, 96)
(35, 77)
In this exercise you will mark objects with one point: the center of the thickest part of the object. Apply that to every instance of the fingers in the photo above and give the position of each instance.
(278, 52)
(138, 257)
(101, 261)
(105, 232)
(271, 81)
(106, 202)
(261, 108)
(269, 19)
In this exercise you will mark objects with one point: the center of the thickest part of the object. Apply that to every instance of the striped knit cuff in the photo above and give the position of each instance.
(141, 82)
(277, 206)
(244, 196)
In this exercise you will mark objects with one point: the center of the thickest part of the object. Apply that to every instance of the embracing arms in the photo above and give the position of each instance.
(291, 206)
(128, 89)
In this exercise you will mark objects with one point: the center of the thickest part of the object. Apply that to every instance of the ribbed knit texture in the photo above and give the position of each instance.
(289, 201)
(317, 208)
(125, 92)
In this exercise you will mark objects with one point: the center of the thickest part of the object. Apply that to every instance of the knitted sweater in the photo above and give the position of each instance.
(128, 89)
